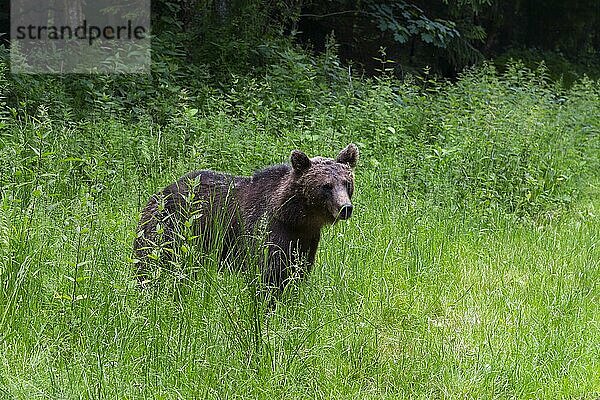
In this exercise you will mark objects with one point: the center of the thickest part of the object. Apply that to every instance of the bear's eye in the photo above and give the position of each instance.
(327, 187)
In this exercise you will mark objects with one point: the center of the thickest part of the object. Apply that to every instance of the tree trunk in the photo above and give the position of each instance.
(72, 13)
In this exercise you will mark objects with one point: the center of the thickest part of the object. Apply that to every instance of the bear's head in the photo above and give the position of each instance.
(326, 185)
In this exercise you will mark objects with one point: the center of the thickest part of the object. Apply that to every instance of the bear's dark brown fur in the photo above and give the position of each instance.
(280, 209)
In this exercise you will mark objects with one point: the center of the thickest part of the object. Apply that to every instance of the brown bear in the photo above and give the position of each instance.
(280, 211)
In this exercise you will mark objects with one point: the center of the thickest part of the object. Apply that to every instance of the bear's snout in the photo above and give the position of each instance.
(345, 211)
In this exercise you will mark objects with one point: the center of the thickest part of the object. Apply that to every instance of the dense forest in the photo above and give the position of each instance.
(469, 267)
(445, 35)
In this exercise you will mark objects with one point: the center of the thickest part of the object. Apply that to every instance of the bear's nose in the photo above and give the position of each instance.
(345, 211)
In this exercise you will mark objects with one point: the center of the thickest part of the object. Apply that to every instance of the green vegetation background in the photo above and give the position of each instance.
(469, 269)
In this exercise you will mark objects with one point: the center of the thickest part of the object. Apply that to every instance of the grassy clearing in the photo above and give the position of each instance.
(408, 302)
(469, 269)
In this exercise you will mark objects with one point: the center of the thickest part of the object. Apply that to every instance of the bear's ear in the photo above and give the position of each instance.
(300, 161)
(348, 156)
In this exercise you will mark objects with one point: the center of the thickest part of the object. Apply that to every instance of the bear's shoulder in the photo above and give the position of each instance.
(272, 173)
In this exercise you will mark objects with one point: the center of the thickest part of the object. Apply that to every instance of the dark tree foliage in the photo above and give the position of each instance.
(446, 35)
(4, 22)
(449, 35)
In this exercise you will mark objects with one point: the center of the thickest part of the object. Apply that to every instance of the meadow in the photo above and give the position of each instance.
(469, 269)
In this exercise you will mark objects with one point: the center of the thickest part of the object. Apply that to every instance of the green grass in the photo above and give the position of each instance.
(469, 269)
(405, 301)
